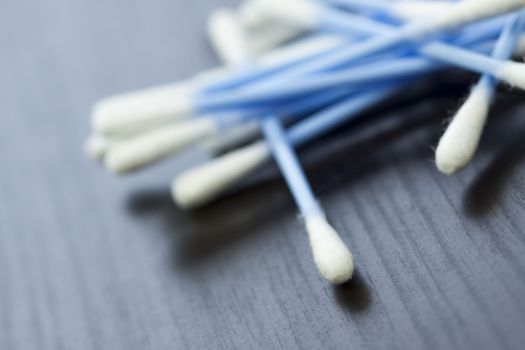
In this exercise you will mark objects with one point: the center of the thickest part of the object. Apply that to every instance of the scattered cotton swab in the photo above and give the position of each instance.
(142, 109)
(138, 151)
(345, 63)
(200, 185)
(228, 37)
(460, 141)
(332, 257)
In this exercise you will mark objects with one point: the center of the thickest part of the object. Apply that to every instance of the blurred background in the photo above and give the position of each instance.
(92, 261)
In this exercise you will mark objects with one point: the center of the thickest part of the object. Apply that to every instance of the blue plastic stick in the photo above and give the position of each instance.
(337, 114)
(445, 52)
(504, 47)
(354, 80)
(290, 167)
(386, 37)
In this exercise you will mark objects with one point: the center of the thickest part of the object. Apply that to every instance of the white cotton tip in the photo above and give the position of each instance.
(142, 109)
(461, 139)
(331, 255)
(512, 73)
(201, 185)
(272, 36)
(228, 37)
(252, 16)
(144, 149)
(301, 13)
(414, 10)
(467, 11)
(95, 146)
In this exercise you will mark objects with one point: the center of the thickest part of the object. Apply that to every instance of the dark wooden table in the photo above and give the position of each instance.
(89, 261)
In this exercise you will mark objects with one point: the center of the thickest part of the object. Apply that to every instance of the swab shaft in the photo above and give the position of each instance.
(332, 257)
(353, 79)
(460, 141)
(386, 36)
(290, 167)
(202, 184)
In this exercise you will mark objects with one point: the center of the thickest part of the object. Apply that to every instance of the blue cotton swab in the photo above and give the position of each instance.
(312, 15)
(355, 77)
(151, 146)
(149, 108)
(403, 9)
(173, 102)
(331, 255)
(461, 139)
(137, 151)
(229, 38)
(202, 184)
(373, 72)
(199, 185)
(388, 36)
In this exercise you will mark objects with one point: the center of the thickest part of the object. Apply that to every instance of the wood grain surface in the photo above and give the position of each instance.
(90, 261)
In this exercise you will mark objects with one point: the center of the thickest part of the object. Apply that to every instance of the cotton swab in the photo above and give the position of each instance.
(311, 90)
(248, 132)
(155, 145)
(143, 109)
(356, 78)
(273, 35)
(200, 185)
(148, 147)
(161, 105)
(331, 255)
(312, 15)
(172, 103)
(403, 66)
(229, 38)
(403, 9)
(460, 141)
(388, 36)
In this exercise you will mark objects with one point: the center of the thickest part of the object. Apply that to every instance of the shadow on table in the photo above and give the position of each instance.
(489, 186)
(199, 235)
(354, 296)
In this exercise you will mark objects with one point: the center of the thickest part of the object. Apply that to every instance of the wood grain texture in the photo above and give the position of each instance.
(89, 261)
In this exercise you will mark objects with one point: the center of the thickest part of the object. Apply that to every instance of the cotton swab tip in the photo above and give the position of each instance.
(513, 73)
(331, 255)
(142, 109)
(95, 146)
(302, 13)
(228, 37)
(415, 10)
(200, 185)
(144, 149)
(466, 11)
(460, 141)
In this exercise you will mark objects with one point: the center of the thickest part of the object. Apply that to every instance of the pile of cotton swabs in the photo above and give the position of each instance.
(271, 98)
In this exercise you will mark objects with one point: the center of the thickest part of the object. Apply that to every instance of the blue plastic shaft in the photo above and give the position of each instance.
(336, 115)
(389, 36)
(353, 80)
(290, 167)
(504, 47)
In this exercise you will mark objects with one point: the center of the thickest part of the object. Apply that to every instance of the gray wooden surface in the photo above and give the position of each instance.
(89, 261)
